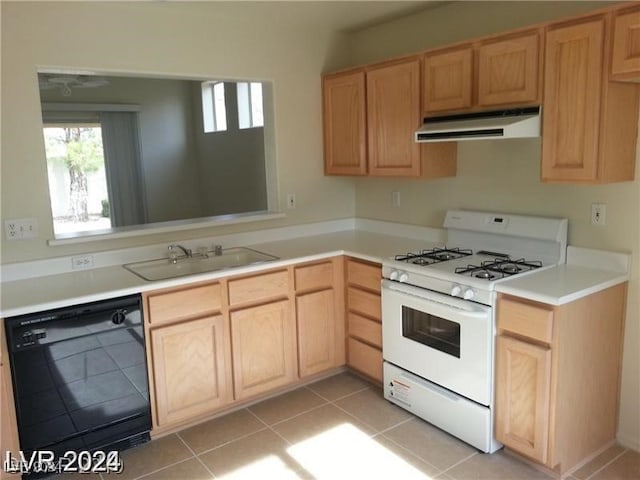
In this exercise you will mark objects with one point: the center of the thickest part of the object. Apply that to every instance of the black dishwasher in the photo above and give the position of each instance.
(80, 377)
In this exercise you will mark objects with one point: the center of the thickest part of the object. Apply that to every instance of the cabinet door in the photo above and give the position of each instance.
(572, 100)
(393, 116)
(316, 332)
(626, 45)
(447, 80)
(264, 348)
(523, 381)
(191, 368)
(344, 124)
(508, 71)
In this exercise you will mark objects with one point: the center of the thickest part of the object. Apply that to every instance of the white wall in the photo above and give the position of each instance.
(175, 38)
(504, 175)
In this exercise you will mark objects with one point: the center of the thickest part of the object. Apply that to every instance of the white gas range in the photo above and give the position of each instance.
(438, 316)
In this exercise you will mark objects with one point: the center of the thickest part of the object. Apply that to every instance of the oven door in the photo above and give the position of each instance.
(440, 338)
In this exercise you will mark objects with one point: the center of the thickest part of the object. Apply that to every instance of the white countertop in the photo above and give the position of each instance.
(587, 271)
(562, 284)
(64, 289)
(555, 286)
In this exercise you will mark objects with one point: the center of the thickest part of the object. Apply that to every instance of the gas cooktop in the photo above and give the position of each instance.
(485, 265)
(484, 248)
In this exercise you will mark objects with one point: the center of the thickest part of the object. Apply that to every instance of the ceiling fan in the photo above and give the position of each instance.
(65, 82)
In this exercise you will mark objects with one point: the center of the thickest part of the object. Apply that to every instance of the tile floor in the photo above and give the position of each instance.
(337, 428)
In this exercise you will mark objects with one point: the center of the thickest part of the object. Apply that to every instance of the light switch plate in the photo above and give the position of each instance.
(599, 214)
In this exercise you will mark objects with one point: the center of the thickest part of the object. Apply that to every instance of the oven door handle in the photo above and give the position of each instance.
(469, 308)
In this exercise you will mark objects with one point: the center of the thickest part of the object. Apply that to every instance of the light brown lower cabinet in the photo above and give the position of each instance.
(363, 311)
(188, 354)
(316, 332)
(558, 377)
(319, 292)
(192, 368)
(264, 348)
(524, 376)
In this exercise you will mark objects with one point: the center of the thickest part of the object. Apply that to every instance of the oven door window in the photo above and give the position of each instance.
(432, 331)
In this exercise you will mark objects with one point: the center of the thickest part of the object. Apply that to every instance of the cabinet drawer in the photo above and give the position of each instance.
(365, 359)
(260, 287)
(526, 319)
(365, 329)
(364, 275)
(187, 303)
(311, 277)
(363, 302)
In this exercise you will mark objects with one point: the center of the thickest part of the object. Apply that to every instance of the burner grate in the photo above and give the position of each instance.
(498, 268)
(433, 255)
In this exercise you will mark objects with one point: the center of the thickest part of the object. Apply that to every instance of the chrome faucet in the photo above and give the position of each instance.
(172, 257)
(217, 250)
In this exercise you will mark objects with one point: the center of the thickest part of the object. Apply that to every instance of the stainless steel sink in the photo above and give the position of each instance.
(162, 268)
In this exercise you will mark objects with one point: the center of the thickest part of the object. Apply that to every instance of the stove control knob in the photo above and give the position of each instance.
(468, 294)
(456, 290)
(403, 277)
(393, 275)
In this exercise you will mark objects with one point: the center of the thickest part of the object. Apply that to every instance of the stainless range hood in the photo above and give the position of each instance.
(515, 123)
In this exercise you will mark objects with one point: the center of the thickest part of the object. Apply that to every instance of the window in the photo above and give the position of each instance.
(250, 105)
(77, 177)
(214, 110)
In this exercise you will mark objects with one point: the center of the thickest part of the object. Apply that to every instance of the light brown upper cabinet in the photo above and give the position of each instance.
(393, 115)
(508, 71)
(625, 61)
(498, 71)
(589, 122)
(448, 80)
(345, 140)
(370, 117)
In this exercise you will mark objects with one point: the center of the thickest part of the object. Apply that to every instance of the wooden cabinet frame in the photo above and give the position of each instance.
(498, 72)
(370, 115)
(590, 115)
(213, 345)
(364, 317)
(557, 389)
(590, 123)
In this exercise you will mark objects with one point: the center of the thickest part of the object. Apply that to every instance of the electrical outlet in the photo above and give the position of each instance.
(81, 261)
(21, 228)
(599, 214)
(395, 196)
(291, 200)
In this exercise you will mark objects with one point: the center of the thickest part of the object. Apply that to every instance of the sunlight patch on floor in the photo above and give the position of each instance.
(265, 468)
(346, 452)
